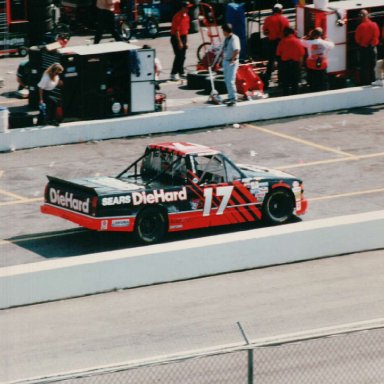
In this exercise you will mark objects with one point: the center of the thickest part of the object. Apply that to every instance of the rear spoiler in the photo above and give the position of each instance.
(84, 188)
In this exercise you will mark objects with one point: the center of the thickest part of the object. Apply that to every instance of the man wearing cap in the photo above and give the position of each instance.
(179, 39)
(317, 61)
(367, 36)
(273, 28)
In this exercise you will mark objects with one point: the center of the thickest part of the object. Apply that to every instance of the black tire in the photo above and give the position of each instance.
(218, 83)
(278, 206)
(151, 226)
(196, 79)
(151, 28)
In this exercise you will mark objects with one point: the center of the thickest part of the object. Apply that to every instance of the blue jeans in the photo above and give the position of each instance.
(230, 70)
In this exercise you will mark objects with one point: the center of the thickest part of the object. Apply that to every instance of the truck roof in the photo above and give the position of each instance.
(184, 148)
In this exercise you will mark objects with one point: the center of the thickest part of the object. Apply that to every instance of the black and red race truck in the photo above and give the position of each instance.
(176, 187)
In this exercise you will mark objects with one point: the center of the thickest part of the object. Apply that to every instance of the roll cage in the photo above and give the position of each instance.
(171, 168)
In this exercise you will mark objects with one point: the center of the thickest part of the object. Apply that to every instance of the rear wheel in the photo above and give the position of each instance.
(23, 51)
(278, 206)
(150, 226)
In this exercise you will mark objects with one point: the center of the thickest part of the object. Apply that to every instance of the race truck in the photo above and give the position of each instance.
(176, 187)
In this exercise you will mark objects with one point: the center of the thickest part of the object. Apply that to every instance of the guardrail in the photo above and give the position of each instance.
(161, 263)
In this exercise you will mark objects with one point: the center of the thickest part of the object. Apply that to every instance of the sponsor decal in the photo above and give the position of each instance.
(120, 223)
(12, 41)
(66, 200)
(116, 200)
(177, 226)
(158, 196)
(139, 198)
(104, 225)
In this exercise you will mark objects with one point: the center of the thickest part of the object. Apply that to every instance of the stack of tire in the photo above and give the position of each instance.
(41, 20)
(202, 80)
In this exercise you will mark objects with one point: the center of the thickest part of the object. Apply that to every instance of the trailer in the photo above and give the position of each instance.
(13, 27)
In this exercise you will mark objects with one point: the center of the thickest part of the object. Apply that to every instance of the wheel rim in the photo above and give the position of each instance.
(279, 206)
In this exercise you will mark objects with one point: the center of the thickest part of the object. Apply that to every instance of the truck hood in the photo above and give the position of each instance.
(255, 171)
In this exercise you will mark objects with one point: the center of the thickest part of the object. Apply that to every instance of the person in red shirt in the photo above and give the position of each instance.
(291, 53)
(179, 39)
(273, 28)
(367, 36)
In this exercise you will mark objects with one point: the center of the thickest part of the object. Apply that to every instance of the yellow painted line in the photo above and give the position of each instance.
(349, 194)
(21, 201)
(330, 161)
(319, 162)
(14, 195)
(301, 141)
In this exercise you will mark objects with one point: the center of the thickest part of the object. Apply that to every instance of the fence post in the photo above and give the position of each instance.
(250, 354)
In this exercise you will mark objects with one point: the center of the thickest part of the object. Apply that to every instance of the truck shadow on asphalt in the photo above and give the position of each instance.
(81, 242)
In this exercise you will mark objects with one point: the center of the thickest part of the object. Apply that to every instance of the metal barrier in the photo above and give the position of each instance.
(342, 356)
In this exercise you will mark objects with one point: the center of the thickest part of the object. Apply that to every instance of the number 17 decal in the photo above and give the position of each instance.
(225, 192)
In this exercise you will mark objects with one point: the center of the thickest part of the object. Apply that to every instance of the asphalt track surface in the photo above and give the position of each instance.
(338, 155)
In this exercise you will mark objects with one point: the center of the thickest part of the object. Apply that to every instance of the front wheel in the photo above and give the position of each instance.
(151, 226)
(278, 207)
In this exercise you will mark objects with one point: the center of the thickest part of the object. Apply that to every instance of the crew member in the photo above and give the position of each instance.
(231, 53)
(106, 19)
(273, 28)
(367, 38)
(317, 61)
(291, 53)
(179, 40)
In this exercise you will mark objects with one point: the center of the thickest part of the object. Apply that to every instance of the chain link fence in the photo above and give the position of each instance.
(344, 358)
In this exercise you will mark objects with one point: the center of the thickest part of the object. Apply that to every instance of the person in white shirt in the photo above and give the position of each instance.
(317, 60)
(231, 53)
(49, 81)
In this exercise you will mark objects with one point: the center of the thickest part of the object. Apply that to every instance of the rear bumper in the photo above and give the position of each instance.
(117, 224)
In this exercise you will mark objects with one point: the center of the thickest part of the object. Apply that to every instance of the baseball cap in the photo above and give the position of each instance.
(278, 6)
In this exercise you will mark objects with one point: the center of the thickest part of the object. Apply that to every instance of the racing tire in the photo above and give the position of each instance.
(278, 206)
(219, 84)
(197, 79)
(151, 226)
(152, 28)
